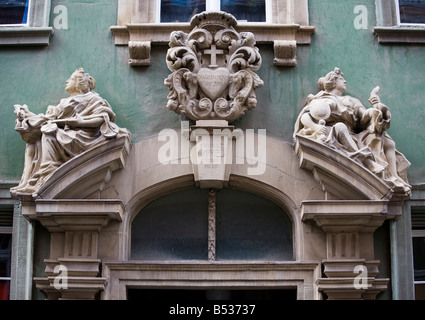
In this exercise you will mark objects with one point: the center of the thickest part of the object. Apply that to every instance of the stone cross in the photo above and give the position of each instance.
(213, 52)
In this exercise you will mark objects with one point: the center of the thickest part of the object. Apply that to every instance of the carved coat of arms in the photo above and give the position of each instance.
(213, 69)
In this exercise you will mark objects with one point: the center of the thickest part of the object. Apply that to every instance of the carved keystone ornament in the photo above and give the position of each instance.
(213, 69)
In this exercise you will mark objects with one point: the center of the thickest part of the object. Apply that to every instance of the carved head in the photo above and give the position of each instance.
(333, 80)
(80, 82)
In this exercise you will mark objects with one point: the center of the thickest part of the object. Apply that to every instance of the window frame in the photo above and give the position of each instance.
(213, 5)
(8, 230)
(137, 28)
(389, 29)
(418, 234)
(407, 24)
(36, 32)
(20, 24)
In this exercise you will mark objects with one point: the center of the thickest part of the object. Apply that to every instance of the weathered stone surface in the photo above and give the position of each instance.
(77, 124)
(342, 123)
(213, 69)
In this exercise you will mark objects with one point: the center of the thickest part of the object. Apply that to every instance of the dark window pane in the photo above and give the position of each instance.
(13, 11)
(174, 227)
(249, 10)
(4, 289)
(5, 254)
(180, 10)
(412, 11)
(251, 228)
(419, 258)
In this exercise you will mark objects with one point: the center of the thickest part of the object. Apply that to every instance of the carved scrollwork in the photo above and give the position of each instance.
(200, 38)
(213, 69)
(223, 38)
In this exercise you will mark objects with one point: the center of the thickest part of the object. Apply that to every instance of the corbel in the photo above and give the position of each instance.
(140, 53)
(285, 53)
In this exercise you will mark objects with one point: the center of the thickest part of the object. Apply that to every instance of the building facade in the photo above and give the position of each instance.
(212, 149)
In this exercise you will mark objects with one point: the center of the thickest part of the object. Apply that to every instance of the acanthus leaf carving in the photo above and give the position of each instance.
(213, 69)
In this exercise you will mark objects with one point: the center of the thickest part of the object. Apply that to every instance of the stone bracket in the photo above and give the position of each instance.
(140, 53)
(349, 225)
(72, 215)
(285, 53)
(75, 227)
(140, 36)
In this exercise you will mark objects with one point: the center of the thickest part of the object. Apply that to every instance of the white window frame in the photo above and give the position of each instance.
(389, 29)
(214, 5)
(35, 32)
(399, 17)
(286, 27)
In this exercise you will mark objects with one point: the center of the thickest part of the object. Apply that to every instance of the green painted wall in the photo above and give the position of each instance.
(36, 76)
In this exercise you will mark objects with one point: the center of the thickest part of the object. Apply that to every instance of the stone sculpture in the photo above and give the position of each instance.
(342, 123)
(213, 69)
(78, 123)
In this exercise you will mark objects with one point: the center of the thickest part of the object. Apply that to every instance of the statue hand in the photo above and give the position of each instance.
(375, 92)
(21, 111)
(374, 96)
(322, 131)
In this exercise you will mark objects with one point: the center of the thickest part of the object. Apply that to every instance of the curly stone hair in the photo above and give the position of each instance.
(327, 82)
(84, 82)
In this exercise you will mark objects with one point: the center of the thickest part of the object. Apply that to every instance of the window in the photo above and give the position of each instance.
(247, 227)
(24, 22)
(418, 242)
(400, 21)
(284, 23)
(411, 11)
(184, 10)
(180, 10)
(14, 12)
(6, 219)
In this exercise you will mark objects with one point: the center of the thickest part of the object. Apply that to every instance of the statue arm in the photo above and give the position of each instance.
(82, 122)
(376, 119)
(308, 122)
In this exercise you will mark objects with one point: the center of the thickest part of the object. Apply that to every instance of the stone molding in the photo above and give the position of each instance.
(339, 176)
(349, 228)
(98, 228)
(289, 22)
(75, 222)
(389, 30)
(92, 168)
(204, 274)
(36, 33)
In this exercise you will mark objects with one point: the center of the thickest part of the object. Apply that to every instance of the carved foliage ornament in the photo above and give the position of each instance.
(213, 69)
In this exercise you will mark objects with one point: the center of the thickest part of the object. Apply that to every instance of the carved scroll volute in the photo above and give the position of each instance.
(213, 69)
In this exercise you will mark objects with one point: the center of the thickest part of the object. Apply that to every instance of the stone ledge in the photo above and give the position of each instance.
(341, 177)
(25, 36)
(400, 34)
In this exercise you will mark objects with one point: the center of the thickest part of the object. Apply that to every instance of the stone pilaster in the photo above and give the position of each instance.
(349, 270)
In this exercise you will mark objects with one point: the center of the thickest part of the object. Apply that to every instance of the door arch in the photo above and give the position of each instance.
(247, 227)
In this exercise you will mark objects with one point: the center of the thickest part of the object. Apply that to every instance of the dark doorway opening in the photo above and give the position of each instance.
(205, 295)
